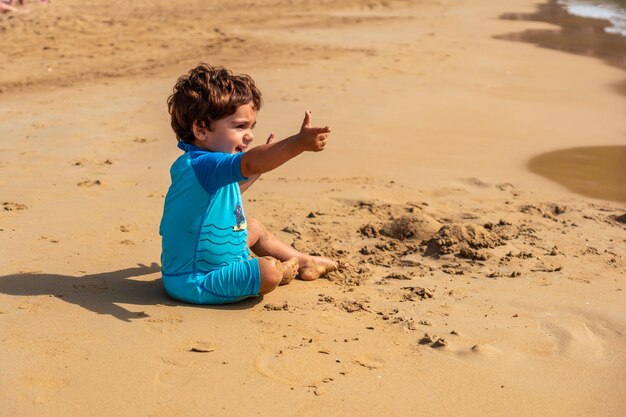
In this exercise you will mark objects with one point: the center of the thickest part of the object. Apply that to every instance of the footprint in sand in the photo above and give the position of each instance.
(370, 361)
(186, 362)
(287, 367)
(571, 336)
(43, 384)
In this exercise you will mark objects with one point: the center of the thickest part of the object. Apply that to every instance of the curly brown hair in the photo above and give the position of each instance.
(208, 94)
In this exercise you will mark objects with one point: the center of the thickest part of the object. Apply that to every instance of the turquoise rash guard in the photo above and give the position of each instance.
(205, 257)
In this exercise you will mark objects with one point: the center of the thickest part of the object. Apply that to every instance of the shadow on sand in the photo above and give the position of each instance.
(103, 293)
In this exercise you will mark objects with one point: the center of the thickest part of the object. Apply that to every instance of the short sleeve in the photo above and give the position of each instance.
(215, 170)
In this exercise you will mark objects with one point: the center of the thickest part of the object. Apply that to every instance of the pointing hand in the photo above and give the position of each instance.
(312, 138)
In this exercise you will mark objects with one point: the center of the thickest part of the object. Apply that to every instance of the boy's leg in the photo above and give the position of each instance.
(263, 243)
(275, 273)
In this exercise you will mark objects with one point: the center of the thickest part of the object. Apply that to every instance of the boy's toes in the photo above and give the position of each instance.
(286, 280)
(341, 265)
(290, 269)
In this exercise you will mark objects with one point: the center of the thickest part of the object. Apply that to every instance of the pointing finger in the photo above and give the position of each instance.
(307, 119)
(319, 130)
(271, 138)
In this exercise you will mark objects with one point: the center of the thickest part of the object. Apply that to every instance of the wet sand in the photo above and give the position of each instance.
(598, 172)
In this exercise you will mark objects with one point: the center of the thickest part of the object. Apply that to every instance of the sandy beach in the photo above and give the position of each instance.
(477, 286)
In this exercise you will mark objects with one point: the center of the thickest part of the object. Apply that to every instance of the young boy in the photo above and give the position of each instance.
(206, 234)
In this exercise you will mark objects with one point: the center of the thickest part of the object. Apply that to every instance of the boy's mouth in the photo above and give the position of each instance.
(239, 149)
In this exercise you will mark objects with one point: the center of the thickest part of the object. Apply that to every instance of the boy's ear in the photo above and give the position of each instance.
(199, 132)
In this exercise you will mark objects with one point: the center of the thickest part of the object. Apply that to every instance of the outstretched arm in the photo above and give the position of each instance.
(265, 158)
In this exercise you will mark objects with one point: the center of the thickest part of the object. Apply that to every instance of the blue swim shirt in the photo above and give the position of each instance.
(203, 226)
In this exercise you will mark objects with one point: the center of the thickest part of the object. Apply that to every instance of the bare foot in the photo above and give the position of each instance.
(318, 266)
(290, 269)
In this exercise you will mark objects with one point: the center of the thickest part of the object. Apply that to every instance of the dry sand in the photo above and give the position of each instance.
(477, 288)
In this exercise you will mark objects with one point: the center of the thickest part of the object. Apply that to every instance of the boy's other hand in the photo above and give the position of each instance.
(244, 185)
(312, 139)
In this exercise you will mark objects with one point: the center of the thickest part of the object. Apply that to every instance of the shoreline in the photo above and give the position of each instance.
(580, 169)
(577, 35)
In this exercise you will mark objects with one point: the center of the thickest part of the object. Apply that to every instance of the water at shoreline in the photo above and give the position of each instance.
(594, 171)
(577, 35)
(613, 11)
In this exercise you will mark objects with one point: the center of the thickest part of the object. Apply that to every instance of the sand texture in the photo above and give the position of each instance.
(475, 287)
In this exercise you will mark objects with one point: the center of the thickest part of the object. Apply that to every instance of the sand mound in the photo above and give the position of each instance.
(621, 219)
(415, 227)
(453, 238)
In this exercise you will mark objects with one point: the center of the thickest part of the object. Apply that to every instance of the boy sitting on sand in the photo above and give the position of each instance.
(206, 234)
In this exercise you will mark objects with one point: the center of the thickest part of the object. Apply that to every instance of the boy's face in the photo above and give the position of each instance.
(231, 134)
